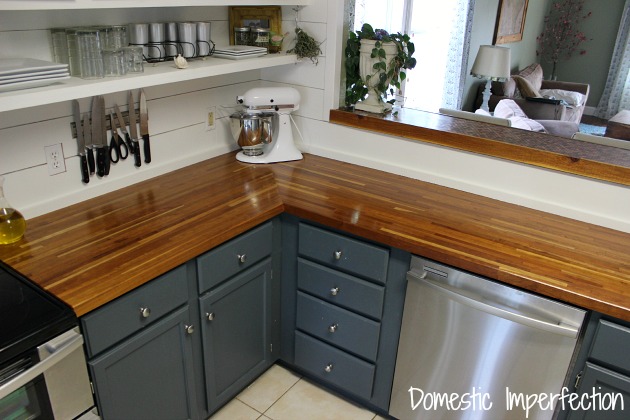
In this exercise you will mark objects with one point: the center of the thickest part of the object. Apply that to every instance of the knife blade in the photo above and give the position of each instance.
(76, 112)
(123, 127)
(144, 126)
(98, 124)
(134, 131)
(105, 148)
(87, 135)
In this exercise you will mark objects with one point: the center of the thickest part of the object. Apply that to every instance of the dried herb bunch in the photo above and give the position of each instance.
(306, 46)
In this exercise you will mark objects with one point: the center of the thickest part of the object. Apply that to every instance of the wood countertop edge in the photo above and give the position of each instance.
(302, 189)
(501, 142)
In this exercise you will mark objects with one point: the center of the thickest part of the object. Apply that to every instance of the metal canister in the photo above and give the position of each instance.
(242, 35)
(260, 37)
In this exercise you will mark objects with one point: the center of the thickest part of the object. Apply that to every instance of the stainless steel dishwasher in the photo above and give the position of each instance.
(472, 348)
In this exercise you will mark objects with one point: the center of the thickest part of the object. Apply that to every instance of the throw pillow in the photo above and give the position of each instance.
(507, 108)
(526, 87)
(570, 97)
(534, 74)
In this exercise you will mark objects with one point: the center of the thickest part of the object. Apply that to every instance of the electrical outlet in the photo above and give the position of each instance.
(211, 118)
(54, 159)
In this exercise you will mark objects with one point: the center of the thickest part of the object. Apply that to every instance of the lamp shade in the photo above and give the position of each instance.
(492, 62)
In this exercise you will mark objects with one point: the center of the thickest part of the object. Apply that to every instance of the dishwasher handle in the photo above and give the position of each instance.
(564, 330)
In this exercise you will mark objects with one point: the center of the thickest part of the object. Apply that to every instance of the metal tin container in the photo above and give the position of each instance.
(242, 35)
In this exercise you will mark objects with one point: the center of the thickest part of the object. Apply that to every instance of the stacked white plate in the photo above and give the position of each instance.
(238, 52)
(23, 73)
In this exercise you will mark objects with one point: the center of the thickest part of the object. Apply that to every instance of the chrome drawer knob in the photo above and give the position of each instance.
(328, 368)
(145, 312)
(210, 316)
(189, 329)
(334, 291)
(242, 258)
(338, 255)
(333, 328)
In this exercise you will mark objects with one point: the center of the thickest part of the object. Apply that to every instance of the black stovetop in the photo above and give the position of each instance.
(29, 316)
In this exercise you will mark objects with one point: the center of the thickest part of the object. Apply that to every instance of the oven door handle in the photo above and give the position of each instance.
(57, 352)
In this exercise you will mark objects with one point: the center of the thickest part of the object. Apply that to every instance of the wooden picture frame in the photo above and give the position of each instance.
(510, 22)
(248, 15)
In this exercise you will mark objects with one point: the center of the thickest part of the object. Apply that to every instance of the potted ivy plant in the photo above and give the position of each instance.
(375, 61)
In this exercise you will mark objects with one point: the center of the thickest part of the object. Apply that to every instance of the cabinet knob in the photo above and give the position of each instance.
(338, 255)
(333, 328)
(242, 258)
(145, 312)
(189, 329)
(328, 368)
(334, 291)
(210, 316)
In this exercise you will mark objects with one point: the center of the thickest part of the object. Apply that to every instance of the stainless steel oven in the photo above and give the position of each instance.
(43, 372)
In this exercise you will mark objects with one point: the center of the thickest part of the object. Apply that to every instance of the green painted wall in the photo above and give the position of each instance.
(590, 68)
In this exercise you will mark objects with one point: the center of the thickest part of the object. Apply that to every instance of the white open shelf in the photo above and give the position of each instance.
(123, 4)
(158, 74)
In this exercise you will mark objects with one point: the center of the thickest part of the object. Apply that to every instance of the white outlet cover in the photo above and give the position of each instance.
(55, 161)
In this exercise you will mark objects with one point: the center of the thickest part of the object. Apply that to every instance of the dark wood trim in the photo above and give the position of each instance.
(538, 149)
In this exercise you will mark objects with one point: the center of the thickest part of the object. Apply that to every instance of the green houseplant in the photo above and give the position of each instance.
(375, 61)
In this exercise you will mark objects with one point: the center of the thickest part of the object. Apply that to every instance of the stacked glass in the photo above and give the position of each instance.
(114, 40)
(90, 53)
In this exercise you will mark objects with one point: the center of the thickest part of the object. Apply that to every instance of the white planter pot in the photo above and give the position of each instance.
(373, 102)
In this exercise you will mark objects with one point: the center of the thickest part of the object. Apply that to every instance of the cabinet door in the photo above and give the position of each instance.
(148, 376)
(236, 329)
(604, 387)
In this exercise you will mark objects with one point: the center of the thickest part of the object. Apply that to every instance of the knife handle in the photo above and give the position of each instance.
(90, 160)
(136, 154)
(85, 175)
(106, 162)
(100, 161)
(147, 148)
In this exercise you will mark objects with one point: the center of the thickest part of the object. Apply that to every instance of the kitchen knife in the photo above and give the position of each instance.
(98, 139)
(123, 128)
(144, 126)
(85, 175)
(134, 131)
(103, 117)
(87, 137)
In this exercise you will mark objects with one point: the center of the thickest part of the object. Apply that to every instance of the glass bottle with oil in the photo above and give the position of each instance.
(12, 223)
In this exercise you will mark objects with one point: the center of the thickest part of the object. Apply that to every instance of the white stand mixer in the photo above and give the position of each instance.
(282, 101)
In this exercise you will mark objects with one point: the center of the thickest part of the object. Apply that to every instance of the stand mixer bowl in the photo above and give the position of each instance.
(253, 130)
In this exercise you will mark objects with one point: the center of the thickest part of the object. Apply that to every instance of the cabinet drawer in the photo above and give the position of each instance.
(612, 345)
(350, 255)
(341, 289)
(334, 366)
(238, 254)
(124, 316)
(338, 326)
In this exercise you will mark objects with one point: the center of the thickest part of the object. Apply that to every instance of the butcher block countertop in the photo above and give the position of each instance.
(92, 252)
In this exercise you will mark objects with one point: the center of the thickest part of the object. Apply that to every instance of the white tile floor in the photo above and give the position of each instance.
(280, 394)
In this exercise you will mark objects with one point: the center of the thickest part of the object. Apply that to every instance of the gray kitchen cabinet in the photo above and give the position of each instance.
(602, 370)
(236, 332)
(235, 304)
(140, 351)
(183, 344)
(342, 300)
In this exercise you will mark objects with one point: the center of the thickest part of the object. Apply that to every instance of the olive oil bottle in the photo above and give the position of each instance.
(12, 223)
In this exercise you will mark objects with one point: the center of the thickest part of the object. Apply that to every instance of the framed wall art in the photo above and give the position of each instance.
(510, 21)
(255, 16)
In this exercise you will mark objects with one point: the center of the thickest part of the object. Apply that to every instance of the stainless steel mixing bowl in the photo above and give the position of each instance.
(253, 130)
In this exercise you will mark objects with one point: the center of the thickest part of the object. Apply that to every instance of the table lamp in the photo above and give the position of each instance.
(493, 64)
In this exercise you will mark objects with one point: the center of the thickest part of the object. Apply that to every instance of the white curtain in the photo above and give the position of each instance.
(616, 96)
(458, 52)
